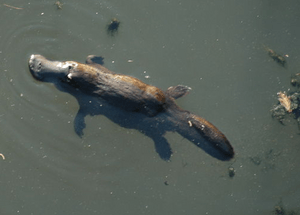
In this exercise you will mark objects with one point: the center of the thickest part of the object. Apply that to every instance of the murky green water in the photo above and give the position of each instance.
(215, 47)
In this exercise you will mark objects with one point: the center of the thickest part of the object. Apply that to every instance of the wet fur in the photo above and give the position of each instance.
(133, 104)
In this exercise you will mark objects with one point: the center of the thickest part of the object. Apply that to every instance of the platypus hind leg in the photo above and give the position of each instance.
(178, 91)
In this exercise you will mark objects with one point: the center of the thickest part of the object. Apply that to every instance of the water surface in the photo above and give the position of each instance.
(214, 47)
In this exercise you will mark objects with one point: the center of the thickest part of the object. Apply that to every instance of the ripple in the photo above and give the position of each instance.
(34, 115)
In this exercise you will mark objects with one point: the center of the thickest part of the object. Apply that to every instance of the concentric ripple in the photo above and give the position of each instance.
(33, 114)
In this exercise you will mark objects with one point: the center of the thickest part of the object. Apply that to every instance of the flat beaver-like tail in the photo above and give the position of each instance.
(209, 132)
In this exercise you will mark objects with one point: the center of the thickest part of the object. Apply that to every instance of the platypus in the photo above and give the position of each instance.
(130, 103)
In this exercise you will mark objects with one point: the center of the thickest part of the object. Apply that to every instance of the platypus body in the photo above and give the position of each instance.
(130, 103)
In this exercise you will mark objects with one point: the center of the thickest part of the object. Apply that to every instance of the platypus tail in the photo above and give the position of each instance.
(196, 129)
(211, 134)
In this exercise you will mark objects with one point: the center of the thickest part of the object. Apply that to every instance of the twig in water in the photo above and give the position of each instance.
(17, 8)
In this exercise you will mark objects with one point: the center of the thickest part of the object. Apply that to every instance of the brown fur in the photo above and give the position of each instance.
(156, 92)
(130, 103)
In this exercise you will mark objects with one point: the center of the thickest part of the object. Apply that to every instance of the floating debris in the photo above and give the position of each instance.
(3, 157)
(113, 26)
(279, 209)
(17, 8)
(276, 57)
(284, 108)
(295, 80)
(58, 5)
(231, 172)
(285, 101)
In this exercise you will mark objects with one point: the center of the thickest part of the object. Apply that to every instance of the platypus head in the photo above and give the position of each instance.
(49, 71)
(64, 74)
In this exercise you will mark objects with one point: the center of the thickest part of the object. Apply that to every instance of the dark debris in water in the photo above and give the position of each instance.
(279, 209)
(58, 5)
(113, 26)
(295, 80)
(231, 172)
(276, 57)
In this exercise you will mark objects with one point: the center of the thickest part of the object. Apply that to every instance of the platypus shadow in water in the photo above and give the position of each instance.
(130, 103)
